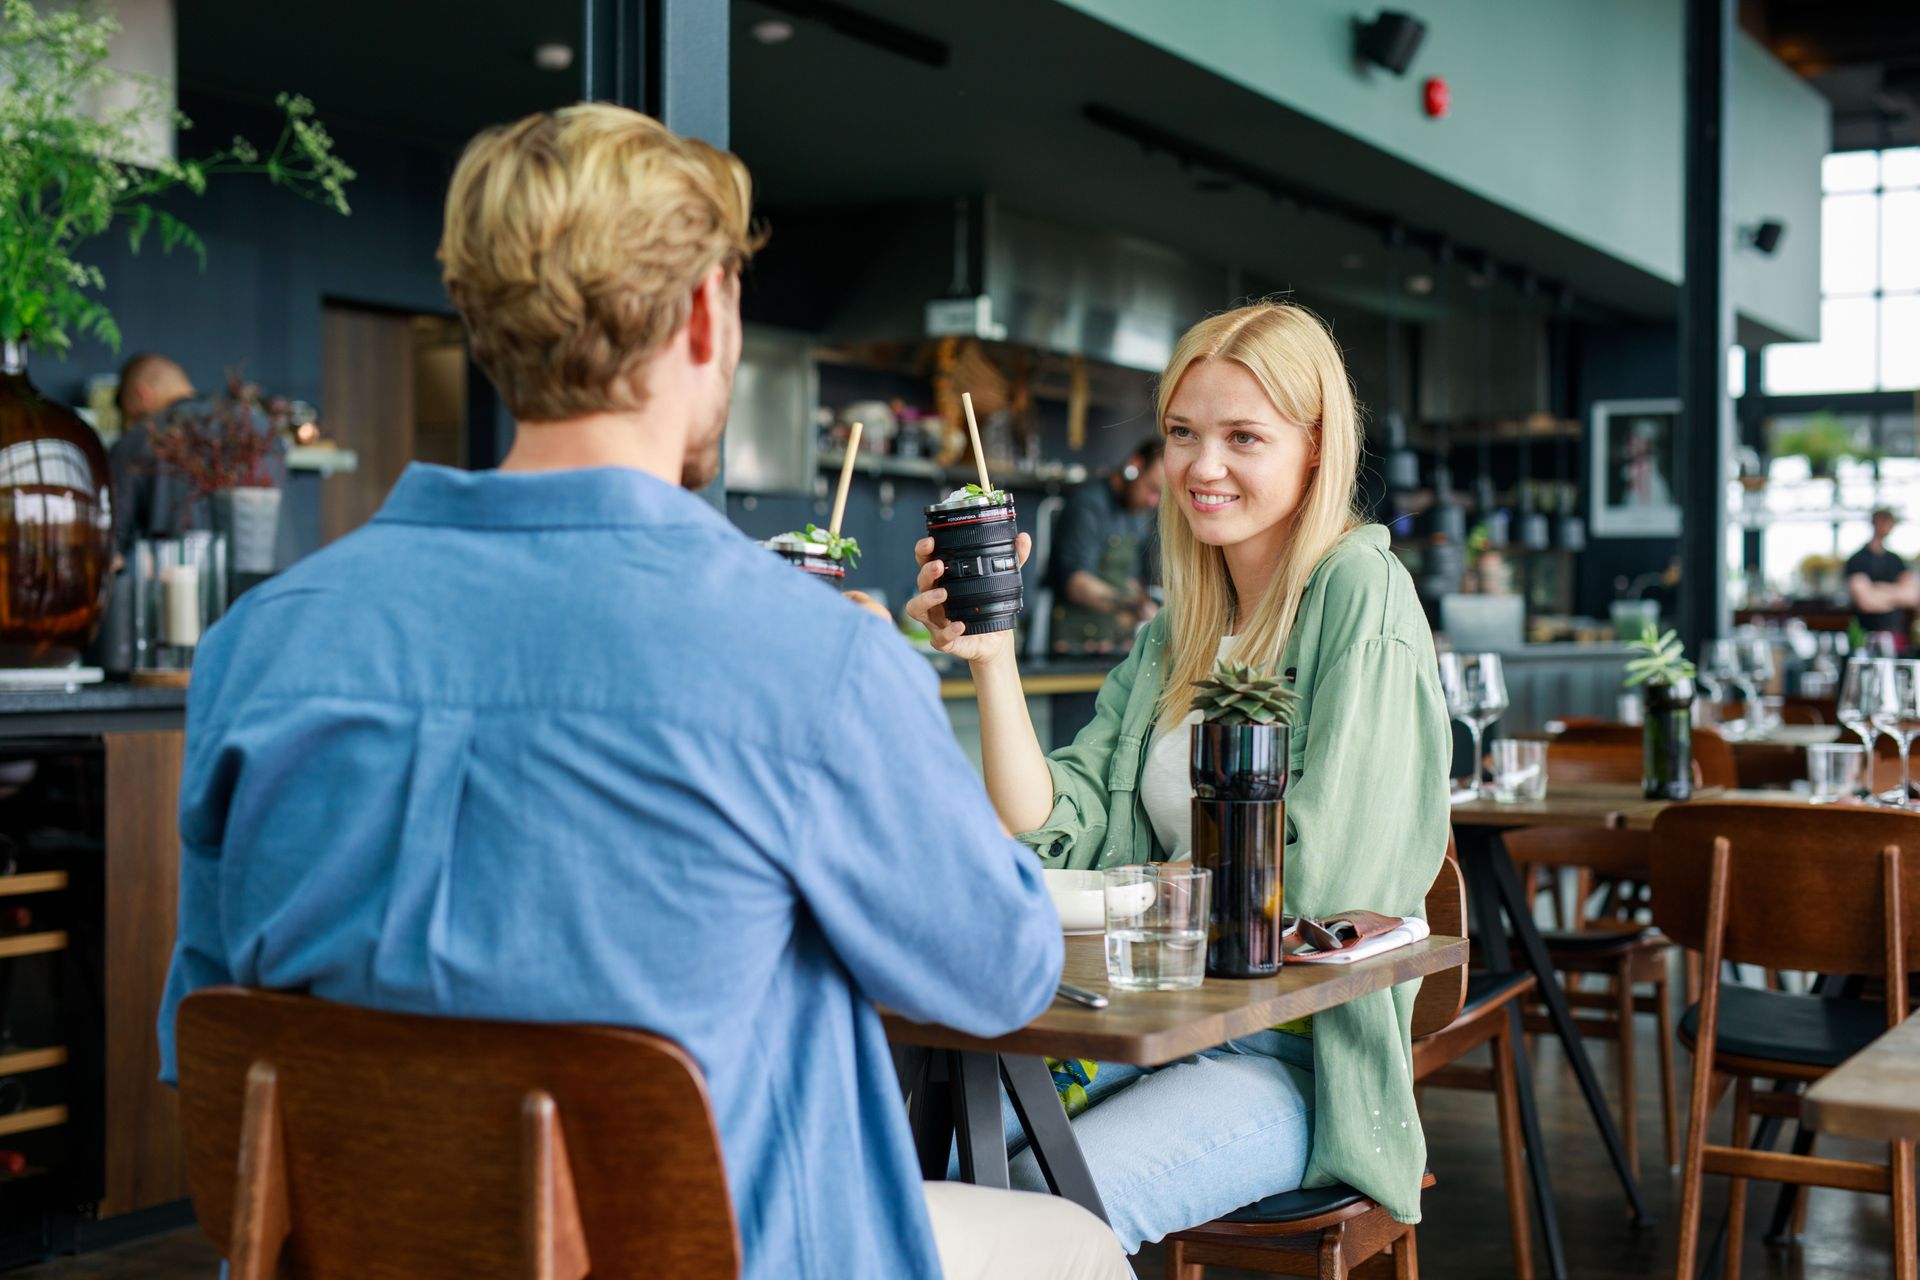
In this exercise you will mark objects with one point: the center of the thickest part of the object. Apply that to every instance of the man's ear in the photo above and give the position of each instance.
(709, 303)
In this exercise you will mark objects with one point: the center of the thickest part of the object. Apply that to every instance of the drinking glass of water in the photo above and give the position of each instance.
(1157, 926)
(1836, 771)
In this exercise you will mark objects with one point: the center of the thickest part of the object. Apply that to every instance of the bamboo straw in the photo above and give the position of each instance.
(846, 478)
(973, 430)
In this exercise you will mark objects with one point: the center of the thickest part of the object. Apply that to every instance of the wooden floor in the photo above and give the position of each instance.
(1464, 1236)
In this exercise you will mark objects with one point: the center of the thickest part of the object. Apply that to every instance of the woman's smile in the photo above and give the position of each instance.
(1206, 502)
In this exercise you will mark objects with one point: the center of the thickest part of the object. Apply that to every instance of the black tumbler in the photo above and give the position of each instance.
(973, 538)
(1239, 775)
(809, 557)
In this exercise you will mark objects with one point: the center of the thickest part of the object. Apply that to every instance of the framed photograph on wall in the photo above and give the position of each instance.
(1634, 450)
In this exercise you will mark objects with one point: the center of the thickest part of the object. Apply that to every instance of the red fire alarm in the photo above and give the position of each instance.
(1436, 97)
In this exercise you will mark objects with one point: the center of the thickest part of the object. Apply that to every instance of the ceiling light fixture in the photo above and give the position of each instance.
(771, 31)
(553, 57)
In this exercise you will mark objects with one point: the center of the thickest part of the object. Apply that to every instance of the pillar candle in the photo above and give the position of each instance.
(180, 604)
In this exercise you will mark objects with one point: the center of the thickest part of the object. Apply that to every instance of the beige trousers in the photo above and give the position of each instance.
(983, 1233)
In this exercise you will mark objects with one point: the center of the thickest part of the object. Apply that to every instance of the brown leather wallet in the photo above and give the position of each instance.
(1339, 932)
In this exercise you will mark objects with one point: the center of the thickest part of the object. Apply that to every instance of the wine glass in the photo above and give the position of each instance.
(1721, 669)
(1758, 669)
(1895, 710)
(1854, 708)
(1476, 693)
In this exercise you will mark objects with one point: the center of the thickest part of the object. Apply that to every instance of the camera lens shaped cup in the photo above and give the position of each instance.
(810, 558)
(973, 537)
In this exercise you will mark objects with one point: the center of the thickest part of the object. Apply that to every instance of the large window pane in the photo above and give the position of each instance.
(1900, 167)
(1849, 244)
(1842, 360)
(1900, 240)
(1850, 171)
(1900, 342)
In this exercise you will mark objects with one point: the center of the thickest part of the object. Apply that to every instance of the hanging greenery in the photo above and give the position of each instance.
(64, 179)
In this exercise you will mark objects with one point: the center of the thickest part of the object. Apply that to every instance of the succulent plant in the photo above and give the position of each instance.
(1244, 695)
(1661, 659)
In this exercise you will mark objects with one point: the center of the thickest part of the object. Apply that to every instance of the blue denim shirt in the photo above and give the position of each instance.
(568, 747)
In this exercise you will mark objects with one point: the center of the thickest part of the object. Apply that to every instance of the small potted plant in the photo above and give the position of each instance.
(1665, 678)
(223, 448)
(1239, 774)
(817, 551)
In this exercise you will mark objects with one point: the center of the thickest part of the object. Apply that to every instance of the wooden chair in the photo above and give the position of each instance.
(324, 1140)
(1820, 888)
(1712, 754)
(1334, 1232)
(1622, 950)
(1488, 1015)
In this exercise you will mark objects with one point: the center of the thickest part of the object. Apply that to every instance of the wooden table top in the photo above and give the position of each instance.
(1600, 806)
(1583, 806)
(1875, 1093)
(1148, 1028)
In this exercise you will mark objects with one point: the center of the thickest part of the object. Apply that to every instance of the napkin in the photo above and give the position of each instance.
(1409, 930)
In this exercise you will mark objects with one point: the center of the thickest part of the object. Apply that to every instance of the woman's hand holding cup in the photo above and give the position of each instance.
(928, 607)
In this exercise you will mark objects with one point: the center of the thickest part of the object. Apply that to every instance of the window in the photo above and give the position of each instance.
(1869, 281)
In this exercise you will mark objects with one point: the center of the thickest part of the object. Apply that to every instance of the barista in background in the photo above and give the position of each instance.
(1102, 557)
(1880, 584)
(146, 500)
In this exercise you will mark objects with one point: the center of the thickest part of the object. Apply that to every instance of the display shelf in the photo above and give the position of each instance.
(32, 944)
(21, 1061)
(928, 469)
(32, 882)
(32, 1120)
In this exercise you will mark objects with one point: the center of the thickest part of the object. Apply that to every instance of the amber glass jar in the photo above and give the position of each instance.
(56, 523)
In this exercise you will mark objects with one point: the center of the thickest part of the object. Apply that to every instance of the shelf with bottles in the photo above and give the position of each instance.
(33, 1119)
(959, 473)
(25, 882)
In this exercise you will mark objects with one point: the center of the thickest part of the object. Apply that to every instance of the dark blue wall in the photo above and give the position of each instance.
(273, 259)
(1619, 362)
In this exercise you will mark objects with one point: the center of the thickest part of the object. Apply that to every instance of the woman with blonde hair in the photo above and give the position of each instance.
(1266, 560)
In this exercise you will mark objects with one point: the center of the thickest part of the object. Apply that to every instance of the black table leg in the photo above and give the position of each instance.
(930, 1114)
(1488, 861)
(1049, 1134)
(977, 1119)
(1536, 1148)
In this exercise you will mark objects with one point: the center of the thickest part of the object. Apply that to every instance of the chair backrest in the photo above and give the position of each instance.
(1713, 761)
(1443, 994)
(1600, 764)
(325, 1140)
(1806, 887)
(1618, 853)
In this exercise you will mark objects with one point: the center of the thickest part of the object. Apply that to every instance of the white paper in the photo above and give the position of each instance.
(1409, 932)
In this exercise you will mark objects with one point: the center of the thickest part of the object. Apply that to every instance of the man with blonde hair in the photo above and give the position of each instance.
(558, 743)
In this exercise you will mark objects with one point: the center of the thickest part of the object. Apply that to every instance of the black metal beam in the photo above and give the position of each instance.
(670, 59)
(864, 27)
(1706, 324)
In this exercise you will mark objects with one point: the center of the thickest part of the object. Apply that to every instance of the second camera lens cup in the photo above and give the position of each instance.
(809, 557)
(973, 537)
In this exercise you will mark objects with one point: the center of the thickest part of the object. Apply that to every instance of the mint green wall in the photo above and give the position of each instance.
(1567, 111)
(1781, 128)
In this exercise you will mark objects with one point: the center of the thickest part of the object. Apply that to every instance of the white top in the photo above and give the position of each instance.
(1166, 784)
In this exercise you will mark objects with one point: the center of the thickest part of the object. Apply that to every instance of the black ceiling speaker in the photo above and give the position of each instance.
(1391, 39)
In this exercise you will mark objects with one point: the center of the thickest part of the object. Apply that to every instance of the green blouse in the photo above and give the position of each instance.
(1366, 828)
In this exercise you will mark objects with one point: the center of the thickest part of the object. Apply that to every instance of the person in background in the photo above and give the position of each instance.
(1880, 584)
(148, 500)
(523, 746)
(1102, 559)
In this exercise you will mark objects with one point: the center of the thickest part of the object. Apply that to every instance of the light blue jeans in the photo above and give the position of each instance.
(1175, 1146)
